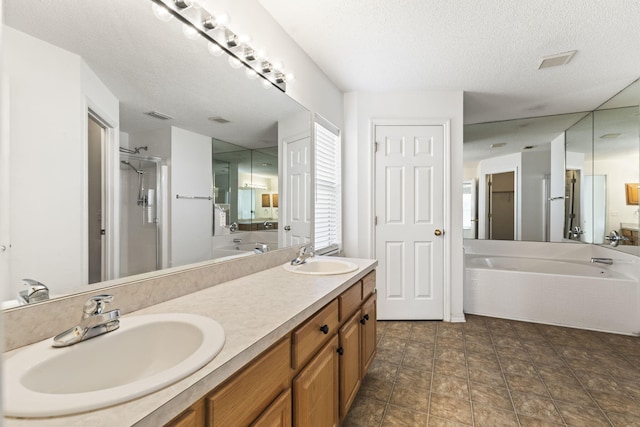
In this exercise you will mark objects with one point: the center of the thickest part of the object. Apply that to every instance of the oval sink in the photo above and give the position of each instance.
(322, 267)
(145, 354)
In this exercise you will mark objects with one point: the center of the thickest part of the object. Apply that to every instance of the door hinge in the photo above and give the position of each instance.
(375, 220)
(375, 147)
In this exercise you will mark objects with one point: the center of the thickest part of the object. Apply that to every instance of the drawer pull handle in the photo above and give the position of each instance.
(340, 351)
(324, 329)
(364, 319)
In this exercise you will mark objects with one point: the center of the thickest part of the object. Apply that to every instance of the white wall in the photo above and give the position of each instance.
(50, 91)
(557, 192)
(361, 108)
(535, 166)
(191, 175)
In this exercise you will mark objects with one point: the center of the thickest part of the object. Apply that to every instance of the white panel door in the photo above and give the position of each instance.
(410, 212)
(296, 223)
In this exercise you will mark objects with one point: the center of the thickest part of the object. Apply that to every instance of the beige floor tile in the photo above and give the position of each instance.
(496, 397)
(446, 367)
(616, 403)
(486, 416)
(581, 416)
(413, 398)
(382, 370)
(623, 420)
(364, 413)
(375, 389)
(454, 375)
(450, 408)
(414, 378)
(450, 386)
(399, 416)
(526, 384)
(536, 407)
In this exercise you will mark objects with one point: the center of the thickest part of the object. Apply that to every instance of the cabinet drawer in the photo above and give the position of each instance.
(350, 300)
(368, 284)
(248, 394)
(308, 338)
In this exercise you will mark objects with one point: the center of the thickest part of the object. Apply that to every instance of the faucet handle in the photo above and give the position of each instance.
(34, 285)
(95, 305)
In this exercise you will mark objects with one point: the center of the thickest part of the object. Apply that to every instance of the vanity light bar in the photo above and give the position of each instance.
(226, 40)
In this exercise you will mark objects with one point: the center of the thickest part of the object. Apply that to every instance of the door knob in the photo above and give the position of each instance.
(438, 232)
(287, 228)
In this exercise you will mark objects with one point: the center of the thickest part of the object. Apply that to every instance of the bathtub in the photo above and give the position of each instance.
(559, 292)
(240, 250)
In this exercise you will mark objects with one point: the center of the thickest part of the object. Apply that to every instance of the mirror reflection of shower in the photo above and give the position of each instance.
(143, 200)
(140, 212)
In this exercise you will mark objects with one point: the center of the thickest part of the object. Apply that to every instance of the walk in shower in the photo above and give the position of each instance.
(140, 212)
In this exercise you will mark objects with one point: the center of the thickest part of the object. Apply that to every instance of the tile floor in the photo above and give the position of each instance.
(495, 372)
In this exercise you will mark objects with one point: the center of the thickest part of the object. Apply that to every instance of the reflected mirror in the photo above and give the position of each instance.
(568, 176)
(113, 118)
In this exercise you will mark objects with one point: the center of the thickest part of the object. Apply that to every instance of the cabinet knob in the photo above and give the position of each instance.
(363, 320)
(340, 351)
(324, 329)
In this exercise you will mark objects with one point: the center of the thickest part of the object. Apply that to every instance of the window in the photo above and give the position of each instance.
(328, 203)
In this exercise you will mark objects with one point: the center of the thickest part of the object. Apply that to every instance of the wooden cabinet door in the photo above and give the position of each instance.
(192, 417)
(315, 390)
(368, 333)
(278, 414)
(242, 399)
(349, 351)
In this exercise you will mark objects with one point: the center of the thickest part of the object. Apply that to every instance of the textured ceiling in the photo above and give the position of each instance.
(490, 49)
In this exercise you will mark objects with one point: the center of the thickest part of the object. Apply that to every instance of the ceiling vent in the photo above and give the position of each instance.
(528, 147)
(556, 60)
(159, 115)
(219, 119)
(498, 145)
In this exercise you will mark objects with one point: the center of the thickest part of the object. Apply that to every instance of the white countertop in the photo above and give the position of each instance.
(255, 311)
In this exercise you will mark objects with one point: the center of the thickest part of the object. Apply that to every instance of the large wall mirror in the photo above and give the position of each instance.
(564, 178)
(130, 148)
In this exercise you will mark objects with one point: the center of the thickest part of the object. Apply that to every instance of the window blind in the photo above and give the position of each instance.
(327, 218)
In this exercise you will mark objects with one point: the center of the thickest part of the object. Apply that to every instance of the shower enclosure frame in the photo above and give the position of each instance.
(159, 208)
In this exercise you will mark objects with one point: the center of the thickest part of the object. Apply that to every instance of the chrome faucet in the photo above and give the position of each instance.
(95, 321)
(233, 227)
(35, 292)
(261, 248)
(305, 253)
(267, 225)
(607, 261)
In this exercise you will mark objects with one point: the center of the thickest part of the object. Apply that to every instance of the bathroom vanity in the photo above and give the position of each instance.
(297, 347)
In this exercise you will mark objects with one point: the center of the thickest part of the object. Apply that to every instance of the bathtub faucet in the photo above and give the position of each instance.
(607, 261)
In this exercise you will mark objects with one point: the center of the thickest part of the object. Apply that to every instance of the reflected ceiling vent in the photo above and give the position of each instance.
(610, 135)
(556, 60)
(159, 115)
(527, 147)
(498, 145)
(219, 119)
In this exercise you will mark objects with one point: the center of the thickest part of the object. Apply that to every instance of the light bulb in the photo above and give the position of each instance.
(277, 65)
(234, 62)
(290, 77)
(251, 74)
(161, 12)
(244, 39)
(222, 19)
(189, 32)
(214, 49)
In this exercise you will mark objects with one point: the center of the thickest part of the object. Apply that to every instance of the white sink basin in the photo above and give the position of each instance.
(145, 354)
(322, 267)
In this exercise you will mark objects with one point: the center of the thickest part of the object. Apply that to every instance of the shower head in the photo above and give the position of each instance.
(138, 171)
